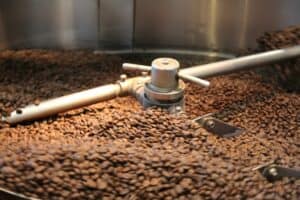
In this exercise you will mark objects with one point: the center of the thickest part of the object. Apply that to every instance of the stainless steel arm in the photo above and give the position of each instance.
(65, 103)
(133, 67)
(242, 63)
(194, 79)
(72, 101)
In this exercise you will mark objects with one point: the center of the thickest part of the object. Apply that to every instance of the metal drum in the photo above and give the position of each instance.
(138, 25)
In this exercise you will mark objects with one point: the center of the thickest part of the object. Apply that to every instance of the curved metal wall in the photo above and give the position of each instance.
(221, 25)
(48, 24)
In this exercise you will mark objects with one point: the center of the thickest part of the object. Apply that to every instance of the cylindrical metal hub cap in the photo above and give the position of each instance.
(164, 74)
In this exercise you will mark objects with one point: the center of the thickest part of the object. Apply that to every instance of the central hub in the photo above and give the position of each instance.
(164, 74)
(165, 89)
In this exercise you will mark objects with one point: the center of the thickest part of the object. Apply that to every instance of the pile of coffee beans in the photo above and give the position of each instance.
(287, 73)
(118, 150)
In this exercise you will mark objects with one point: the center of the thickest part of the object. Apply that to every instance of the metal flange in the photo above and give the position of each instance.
(171, 96)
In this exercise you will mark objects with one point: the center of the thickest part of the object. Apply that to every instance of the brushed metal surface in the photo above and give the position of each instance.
(228, 25)
(215, 25)
(116, 24)
(48, 24)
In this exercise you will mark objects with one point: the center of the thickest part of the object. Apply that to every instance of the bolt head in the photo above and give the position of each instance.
(210, 123)
(123, 77)
(273, 171)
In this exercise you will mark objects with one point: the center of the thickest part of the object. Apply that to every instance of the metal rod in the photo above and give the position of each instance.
(194, 79)
(63, 104)
(75, 100)
(133, 67)
(242, 63)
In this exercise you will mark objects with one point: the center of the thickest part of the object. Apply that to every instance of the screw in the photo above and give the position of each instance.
(123, 77)
(273, 171)
(210, 123)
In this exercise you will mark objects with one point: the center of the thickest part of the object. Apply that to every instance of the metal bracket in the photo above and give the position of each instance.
(217, 126)
(273, 172)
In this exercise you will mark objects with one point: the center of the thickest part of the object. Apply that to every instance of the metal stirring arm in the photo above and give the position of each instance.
(242, 63)
(73, 101)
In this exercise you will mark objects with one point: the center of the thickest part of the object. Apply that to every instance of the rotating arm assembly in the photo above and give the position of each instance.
(163, 88)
